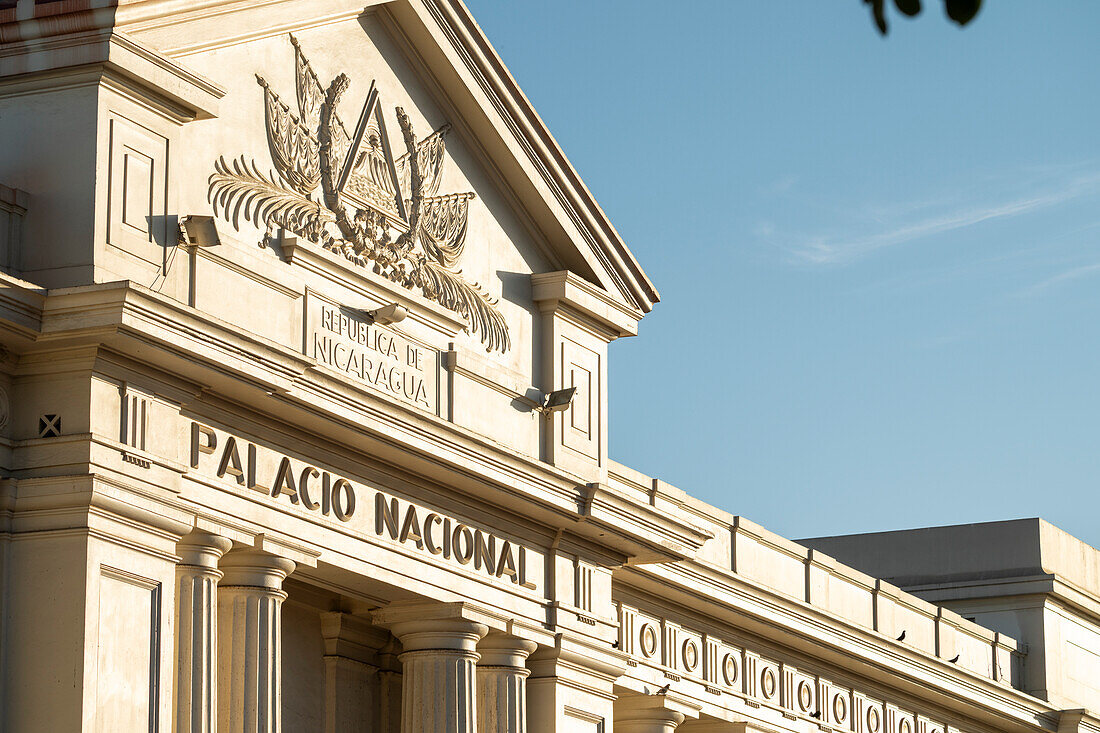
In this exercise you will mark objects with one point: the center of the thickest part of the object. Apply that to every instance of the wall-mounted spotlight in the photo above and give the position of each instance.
(198, 231)
(387, 314)
(559, 400)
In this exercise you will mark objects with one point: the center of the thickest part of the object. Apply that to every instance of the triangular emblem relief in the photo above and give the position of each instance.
(368, 178)
(348, 193)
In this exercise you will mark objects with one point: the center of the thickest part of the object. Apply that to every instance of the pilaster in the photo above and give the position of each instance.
(87, 639)
(578, 321)
(353, 674)
(572, 682)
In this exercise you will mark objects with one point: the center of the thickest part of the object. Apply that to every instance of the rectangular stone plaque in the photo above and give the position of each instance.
(344, 340)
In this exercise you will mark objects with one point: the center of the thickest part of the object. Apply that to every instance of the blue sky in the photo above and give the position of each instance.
(879, 259)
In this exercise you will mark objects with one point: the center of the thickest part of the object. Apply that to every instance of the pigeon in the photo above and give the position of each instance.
(816, 714)
(955, 658)
(663, 690)
(615, 644)
(902, 637)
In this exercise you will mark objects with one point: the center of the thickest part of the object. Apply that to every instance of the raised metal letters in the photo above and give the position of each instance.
(321, 491)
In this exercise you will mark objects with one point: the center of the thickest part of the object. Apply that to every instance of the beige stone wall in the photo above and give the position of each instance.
(214, 514)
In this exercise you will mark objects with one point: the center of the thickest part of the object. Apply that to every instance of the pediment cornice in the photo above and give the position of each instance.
(572, 218)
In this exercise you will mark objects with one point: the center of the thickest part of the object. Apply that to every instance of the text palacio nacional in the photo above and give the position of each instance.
(303, 424)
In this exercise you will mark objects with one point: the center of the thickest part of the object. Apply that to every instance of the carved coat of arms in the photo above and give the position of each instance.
(347, 193)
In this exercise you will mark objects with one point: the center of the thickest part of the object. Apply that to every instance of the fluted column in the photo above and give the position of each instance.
(439, 678)
(197, 578)
(646, 714)
(250, 599)
(502, 684)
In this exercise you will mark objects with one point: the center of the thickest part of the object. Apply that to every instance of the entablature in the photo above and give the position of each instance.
(243, 369)
(735, 645)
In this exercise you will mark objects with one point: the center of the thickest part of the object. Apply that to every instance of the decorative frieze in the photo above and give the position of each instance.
(692, 659)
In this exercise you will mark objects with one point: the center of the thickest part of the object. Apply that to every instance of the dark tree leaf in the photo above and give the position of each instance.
(909, 7)
(878, 9)
(962, 11)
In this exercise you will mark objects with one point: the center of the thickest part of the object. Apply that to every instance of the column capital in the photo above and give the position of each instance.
(434, 625)
(255, 569)
(438, 634)
(439, 665)
(202, 549)
(504, 650)
(651, 713)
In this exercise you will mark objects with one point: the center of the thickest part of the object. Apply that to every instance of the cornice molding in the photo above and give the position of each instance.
(186, 94)
(128, 318)
(550, 290)
(733, 602)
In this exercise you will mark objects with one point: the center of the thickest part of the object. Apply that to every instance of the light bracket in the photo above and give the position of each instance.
(559, 400)
(387, 314)
(198, 231)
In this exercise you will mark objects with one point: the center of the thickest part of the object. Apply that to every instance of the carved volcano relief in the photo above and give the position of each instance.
(347, 192)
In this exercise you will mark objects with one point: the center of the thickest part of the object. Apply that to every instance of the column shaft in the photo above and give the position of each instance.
(439, 672)
(250, 600)
(502, 684)
(197, 578)
(439, 691)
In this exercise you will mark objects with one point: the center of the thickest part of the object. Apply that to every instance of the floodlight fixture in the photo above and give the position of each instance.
(198, 231)
(387, 314)
(559, 400)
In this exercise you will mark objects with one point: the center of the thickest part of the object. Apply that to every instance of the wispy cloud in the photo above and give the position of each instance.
(897, 224)
(1074, 273)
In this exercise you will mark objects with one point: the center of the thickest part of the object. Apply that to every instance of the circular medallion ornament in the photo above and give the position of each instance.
(840, 708)
(648, 640)
(730, 670)
(874, 720)
(805, 695)
(691, 655)
(768, 683)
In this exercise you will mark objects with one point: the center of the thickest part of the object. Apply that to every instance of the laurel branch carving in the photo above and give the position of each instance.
(376, 211)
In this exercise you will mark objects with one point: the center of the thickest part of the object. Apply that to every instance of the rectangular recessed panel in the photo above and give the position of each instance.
(137, 185)
(581, 415)
(580, 368)
(128, 648)
(137, 213)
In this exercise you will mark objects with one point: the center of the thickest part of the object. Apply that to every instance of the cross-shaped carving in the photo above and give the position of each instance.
(49, 426)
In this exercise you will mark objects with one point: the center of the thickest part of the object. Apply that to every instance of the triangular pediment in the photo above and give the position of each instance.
(432, 60)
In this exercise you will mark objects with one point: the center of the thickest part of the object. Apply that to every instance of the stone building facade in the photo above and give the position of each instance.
(303, 424)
